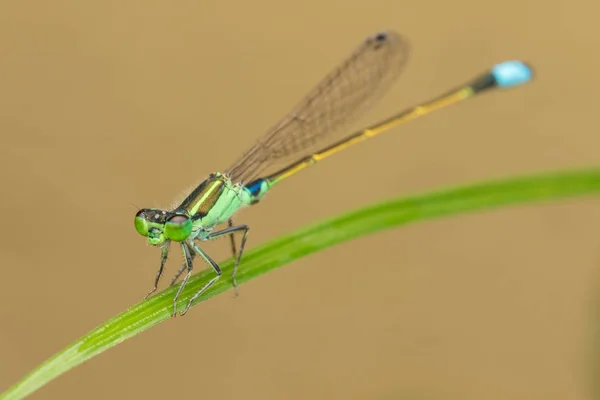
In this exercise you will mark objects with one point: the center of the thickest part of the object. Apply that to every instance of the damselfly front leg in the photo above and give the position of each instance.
(214, 266)
(163, 260)
(181, 269)
(188, 263)
(233, 252)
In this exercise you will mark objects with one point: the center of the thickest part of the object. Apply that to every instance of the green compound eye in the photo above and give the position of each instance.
(141, 223)
(178, 228)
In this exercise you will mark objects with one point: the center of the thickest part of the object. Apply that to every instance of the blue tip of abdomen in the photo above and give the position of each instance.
(512, 73)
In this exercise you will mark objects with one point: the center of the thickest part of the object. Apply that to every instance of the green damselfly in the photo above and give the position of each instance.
(341, 96)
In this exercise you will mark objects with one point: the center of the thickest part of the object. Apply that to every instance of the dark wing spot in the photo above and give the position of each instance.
(381, 37)
(379, 40)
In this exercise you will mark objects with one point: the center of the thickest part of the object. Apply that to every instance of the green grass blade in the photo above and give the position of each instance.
(308, 240)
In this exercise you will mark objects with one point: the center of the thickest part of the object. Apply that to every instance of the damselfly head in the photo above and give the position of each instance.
(160, 225)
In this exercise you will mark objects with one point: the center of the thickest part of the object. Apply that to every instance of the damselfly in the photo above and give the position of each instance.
(341, 96)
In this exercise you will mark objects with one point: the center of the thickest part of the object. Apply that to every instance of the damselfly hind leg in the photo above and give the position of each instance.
(232, 238)
(163, 260)
(230, 231)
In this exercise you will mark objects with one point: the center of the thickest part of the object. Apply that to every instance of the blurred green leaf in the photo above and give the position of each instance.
(285, 249)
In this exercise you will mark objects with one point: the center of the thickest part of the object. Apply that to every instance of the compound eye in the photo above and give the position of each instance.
(141, 223)
(178, 227)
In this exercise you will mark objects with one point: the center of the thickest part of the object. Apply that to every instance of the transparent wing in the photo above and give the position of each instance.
(342, 96)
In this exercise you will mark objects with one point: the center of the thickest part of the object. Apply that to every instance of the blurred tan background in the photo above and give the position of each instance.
(105, 106)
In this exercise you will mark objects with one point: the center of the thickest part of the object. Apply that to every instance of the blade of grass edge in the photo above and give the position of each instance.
(302, 242)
